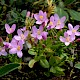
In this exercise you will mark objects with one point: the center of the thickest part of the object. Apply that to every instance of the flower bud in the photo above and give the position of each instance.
(32, 15)
(28, 14)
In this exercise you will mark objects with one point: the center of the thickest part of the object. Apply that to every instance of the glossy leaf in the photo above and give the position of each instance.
(11, 2)
(2, 2)
(77, 65)
(59, 69)
(66, 2)
(52, 69)
(74, 14)
(14, 15)
(54, 60)
(23, 13)
(31, 52)
(44, 63)
(8, 68)
(31, 63)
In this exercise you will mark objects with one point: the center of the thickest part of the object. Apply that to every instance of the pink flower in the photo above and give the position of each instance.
(28, 14)
(73, 30)
(59, 21)
(21, 36)
(41, 17)
(7, 44)
(16, 48)
(52, 23)
(10, 30)
(2, 51)
(67, 39)
(23, 29)
(39, 33)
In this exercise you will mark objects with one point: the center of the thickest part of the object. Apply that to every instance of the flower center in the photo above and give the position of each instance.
(18, 48)
(58, 23)
(41, 17)
(51, 23)
(0, 48)
(67, 39)
(38, 32)
(10, 29)
(22, 36)
(73, 31)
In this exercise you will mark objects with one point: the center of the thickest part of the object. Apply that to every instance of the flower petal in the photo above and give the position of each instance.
(34, 29)
(38, 22)
(19, 54)
(69, 32)
(26, 33)
(70, 26)
(44, 35)
(4, 53)
(13, 27)
(39, 37)
(67, 43)
(17, 37)
(56, 17)
(63, 19)
(7, 27)
(72, 37)
(40, 12)
(77, 33)
(19, 32)
(62, 39)
(66, 34)
(20, 44)
(76, 27)
(36, 16)
(52, 18)
(41, 28)
(33, 35)
(13, 51)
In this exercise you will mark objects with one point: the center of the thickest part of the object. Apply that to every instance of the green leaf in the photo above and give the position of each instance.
(31, 63)
(54, 60)
(74, 14)
(59, 69)
(2, 2)
(52, 69)
(12, 21)
(77, 65)
(66, 2)
(44, 63)
(31, 52)
(23, 13)
(11, 2)
(8, 68)
(61, 13)
(14, 15)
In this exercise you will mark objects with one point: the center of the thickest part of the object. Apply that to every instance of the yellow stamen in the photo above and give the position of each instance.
(58, 23)
(38, 32)
(22, 36)
(73, 31)
(41, 17)
(0, 49)
(18, 48)
(51, 23)
(67, 39)
(10, 29)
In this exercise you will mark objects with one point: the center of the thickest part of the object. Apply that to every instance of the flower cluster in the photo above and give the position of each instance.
(69, 35)
(15, 46)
